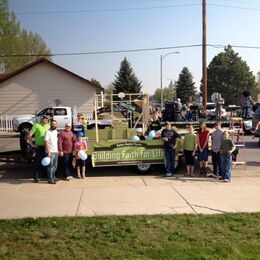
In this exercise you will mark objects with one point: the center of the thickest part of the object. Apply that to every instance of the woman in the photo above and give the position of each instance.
(189, 147)
(202, 142)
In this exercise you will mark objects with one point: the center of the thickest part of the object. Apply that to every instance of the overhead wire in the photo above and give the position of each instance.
(217, 46)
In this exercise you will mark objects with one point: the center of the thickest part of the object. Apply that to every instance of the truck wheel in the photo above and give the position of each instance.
(25, 128)
(143, 168)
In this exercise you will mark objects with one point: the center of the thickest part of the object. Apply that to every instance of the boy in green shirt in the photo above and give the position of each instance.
(227, 147)
(189, 147)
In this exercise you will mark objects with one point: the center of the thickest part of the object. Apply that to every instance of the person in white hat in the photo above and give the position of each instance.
(139, 133)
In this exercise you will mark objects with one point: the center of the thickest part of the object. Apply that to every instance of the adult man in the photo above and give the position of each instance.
(217, 138)
(246, 104)
(219, 104)
(51, 146)
(65, 147)
(169, 137)
(39, 130)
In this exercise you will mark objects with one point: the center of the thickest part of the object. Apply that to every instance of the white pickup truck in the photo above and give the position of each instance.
(61, 114)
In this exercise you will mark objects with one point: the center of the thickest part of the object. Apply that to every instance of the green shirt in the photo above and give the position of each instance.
(189, 142)
(39, 131)
(227, 146)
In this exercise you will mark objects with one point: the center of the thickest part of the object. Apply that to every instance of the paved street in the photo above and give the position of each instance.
(119, 191)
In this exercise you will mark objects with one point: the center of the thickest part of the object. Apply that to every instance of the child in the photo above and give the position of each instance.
(80, 144)
(202, 142)
(227, 147)
(189, 147)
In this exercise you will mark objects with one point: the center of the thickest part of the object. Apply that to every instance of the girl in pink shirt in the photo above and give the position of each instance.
(80, 144)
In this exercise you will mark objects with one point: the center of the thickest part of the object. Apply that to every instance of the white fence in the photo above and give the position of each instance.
(6, 124)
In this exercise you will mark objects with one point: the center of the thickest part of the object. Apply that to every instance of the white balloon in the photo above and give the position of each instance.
(135, 138)
(82, 155)
(46, 161)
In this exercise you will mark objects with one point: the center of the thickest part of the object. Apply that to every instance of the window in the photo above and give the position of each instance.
(60, 112)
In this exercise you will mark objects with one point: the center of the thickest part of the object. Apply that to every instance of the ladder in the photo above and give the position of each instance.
(237, 135)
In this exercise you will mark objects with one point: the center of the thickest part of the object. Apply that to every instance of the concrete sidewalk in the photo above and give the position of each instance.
(130, 195)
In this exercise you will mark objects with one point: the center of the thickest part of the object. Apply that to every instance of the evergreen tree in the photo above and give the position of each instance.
(14, 40)
(229, 75)
(185, 86)
(126, 80)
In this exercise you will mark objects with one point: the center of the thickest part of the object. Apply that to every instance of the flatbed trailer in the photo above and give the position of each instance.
(16, 156)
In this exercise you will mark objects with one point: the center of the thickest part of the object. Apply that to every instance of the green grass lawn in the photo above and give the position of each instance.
(226, 236)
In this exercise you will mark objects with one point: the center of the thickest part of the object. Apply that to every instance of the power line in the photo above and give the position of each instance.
(105, 10)
(217, 46)
(132, 9)
(235, 7)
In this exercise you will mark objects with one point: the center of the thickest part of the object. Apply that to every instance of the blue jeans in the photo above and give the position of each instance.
(67, 164)
(170, 159)
(245, 112)
(52, 167)
(226, 165)
(39, 155)
(216, 164)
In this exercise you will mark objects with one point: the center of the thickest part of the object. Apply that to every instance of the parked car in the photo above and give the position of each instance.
(256, 117)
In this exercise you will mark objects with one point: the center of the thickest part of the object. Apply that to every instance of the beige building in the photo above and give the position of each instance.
(41, 84)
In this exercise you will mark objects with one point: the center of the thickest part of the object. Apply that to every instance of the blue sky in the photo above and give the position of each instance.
(97, 26)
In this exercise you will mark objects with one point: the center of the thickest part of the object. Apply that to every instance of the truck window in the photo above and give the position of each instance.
(46, 111)
(60, 112)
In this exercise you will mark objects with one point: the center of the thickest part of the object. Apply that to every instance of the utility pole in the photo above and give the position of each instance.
(204, 56)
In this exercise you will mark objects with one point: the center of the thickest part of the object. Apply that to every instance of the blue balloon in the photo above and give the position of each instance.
(82, 155)
(46, 161)
(148, 138)
(152, 134)
(135, 138)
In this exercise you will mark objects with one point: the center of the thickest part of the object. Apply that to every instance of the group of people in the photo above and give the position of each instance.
(59, 149)
(222, 148)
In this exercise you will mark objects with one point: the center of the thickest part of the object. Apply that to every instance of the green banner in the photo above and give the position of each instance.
(127, 153)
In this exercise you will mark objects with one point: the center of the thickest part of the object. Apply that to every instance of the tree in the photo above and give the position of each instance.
(185, 86)
(95, 81)
(169, 93)
(229, 75)
(258, 78)
(17, 41)
(126, 80)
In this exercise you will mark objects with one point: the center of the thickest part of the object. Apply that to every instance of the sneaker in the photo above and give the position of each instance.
(56, 179)
(67, 178)
(35, 180)
(70, 177)
(168, 174)
(226, 180)
(52, 182)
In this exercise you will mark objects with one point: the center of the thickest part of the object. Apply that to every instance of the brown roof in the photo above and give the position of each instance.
(8, 76)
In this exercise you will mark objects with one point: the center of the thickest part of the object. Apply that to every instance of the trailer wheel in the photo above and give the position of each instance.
(143, 168)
